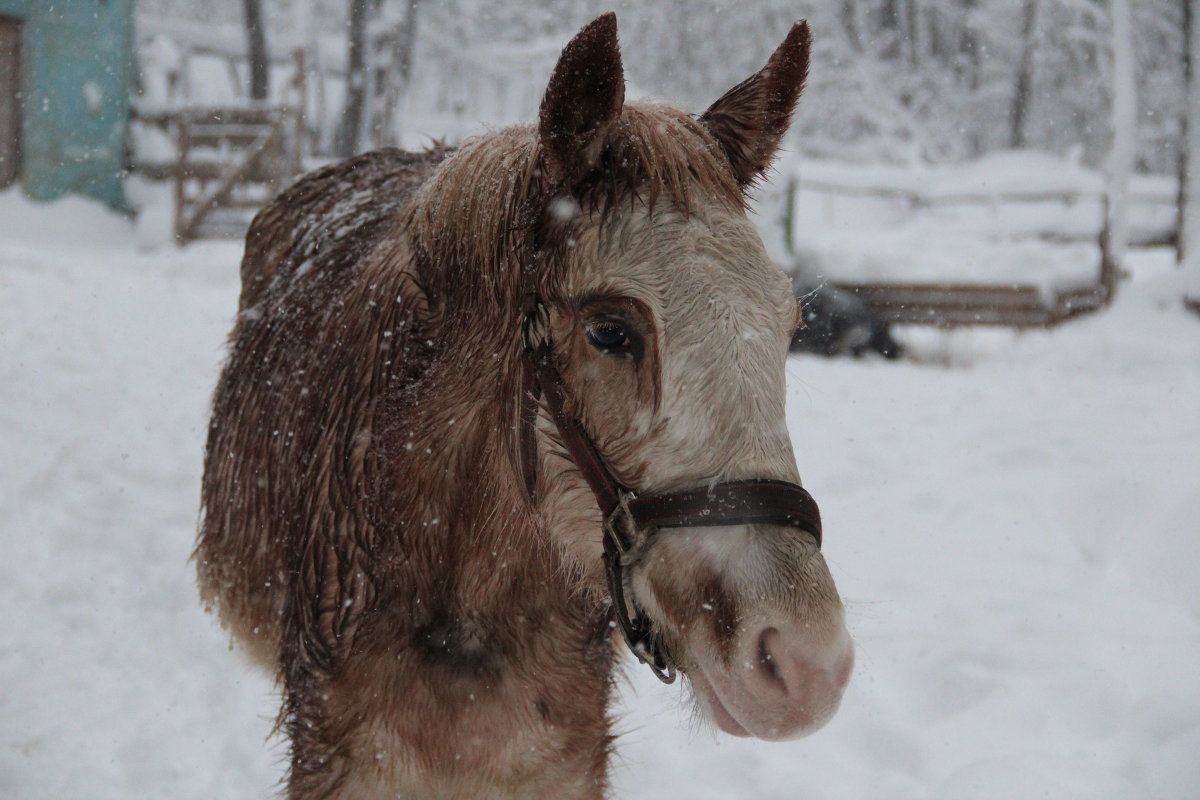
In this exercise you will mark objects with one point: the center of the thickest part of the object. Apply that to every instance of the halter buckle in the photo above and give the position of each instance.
(621, 549)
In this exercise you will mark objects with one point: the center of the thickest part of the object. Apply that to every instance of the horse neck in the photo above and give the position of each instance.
(498, 650)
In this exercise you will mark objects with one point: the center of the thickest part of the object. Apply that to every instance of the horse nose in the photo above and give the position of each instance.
(797, 678)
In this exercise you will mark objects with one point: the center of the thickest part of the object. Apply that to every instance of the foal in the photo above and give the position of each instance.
(444, 366)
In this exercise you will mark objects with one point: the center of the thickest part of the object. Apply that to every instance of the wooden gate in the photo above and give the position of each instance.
(10, 101)
(231, 162)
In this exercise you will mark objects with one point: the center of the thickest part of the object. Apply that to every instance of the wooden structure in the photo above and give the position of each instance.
(66, 76)
(948, 305)
(231, 162)
(10, 106)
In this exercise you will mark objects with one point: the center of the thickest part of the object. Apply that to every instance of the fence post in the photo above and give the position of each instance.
(789, 215)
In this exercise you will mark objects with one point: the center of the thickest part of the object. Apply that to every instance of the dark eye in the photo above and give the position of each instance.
(608, 337)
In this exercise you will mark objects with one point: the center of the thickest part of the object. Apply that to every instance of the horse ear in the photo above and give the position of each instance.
(583, 101)
(751, 118)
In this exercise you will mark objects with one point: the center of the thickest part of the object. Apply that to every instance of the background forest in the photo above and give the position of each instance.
(893, 80)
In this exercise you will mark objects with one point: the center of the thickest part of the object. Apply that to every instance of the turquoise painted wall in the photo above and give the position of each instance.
(79, 71)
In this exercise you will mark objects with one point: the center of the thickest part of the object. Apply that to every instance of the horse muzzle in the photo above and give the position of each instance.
(634, 520)
(783, 681)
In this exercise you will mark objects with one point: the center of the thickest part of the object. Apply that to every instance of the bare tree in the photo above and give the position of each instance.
(1023, 92)
(896, 78)
(256, 50)
(349, 134)
(890, 24)
(391, 73)
(850, 26)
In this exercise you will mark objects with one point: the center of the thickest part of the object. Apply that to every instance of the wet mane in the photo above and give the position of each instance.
(491, 204)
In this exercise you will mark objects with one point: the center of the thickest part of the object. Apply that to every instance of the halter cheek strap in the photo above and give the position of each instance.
(631, 520)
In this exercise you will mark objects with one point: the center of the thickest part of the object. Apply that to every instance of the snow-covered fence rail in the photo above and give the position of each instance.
(1153, 207)
(917, 199)
(1014, 238)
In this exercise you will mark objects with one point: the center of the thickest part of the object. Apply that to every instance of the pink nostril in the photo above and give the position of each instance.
(781, 670)
(769, 651)
(786, 681)
(798, 666)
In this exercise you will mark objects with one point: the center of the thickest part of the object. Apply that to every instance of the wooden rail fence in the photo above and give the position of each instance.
(949, 305)
(231, 162)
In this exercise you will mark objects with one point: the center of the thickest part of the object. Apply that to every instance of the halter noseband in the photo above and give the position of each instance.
(631, 520)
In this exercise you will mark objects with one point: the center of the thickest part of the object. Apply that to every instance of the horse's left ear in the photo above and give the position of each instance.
(751, 118)
(583, 101)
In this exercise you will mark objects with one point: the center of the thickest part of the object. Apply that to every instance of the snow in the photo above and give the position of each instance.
(1010, 518)
(957, 223)
(1004, 171)
(71, 222)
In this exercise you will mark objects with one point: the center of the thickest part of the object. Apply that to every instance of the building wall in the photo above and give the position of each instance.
(11, 81)
(78, 68)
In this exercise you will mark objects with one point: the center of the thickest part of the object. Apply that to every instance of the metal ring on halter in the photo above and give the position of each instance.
(637, 629)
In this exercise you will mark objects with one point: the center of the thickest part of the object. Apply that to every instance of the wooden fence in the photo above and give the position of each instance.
(230, 160)
(948, 304)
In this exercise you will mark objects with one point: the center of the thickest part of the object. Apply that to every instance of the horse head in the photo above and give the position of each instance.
(666, 332)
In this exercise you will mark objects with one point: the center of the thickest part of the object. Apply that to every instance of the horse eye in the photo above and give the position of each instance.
(608, 336)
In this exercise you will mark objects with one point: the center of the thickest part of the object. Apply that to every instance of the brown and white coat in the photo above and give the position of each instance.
(366, 530)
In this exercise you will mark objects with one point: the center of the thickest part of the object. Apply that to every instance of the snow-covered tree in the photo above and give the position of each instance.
(1024, 84)
(350, 127)
(392, 47)
(898, 80)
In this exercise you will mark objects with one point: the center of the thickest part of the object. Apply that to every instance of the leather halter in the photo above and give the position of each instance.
(631, 520)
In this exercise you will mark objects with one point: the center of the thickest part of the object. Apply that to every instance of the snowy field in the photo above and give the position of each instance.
(1014, 523)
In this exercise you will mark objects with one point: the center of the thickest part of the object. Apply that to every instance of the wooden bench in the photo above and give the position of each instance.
(949, 305)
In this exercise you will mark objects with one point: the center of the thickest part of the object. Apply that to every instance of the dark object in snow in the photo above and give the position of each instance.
(838, 323)
(419, 546)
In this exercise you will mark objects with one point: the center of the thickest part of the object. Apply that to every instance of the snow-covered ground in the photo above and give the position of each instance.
(1014, 523)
